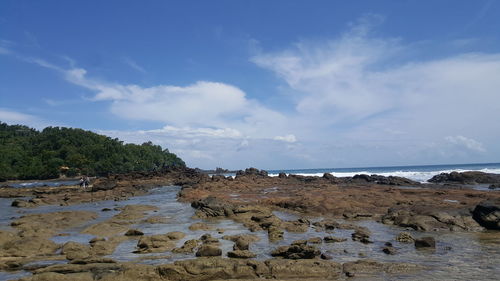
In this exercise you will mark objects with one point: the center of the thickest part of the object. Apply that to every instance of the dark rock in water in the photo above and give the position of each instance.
(208, 251)
(362, 235)
(282, 175)
(487, 214)
(425, 242)
(106, 209)
(326, 256)
(19, 203)
(389, 250)
(331, 239)
(390, 180)
(188, 247)
(134, 232)
(494, 186)
(472, 177)
(296, 252)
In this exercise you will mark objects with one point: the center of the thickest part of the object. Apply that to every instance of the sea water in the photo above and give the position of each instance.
(416, 173)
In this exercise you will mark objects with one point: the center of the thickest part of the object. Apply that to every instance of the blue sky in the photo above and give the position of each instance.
(271, 84)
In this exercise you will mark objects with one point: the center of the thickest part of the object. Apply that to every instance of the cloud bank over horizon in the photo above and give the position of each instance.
(353, 100)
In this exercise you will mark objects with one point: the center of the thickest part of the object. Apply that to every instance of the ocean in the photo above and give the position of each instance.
(416, 173)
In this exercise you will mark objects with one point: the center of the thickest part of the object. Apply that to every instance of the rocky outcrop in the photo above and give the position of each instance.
(425, 242)
(487, 214)
(377, 179)
(134, 232)
(252, 172)
(209, 251)
(332, 239)
(188, 247)
(296, 252)
(472, 177)
(75, 251)
(241, 254)
(405, 237)
(212, 207)
(155, 244)
(427, 219)
(362, 235)
(370, 268)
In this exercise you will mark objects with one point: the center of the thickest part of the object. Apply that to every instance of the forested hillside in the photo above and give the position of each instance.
(26, 153)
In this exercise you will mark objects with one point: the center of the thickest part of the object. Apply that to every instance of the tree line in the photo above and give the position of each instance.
(26, 153)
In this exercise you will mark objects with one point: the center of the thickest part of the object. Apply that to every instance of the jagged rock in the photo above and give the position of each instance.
(487, 214)
(252, 172)
(470, 177)
(425, 242)
(20, 203)
(296, 252)
(208, 251)
(188, 247)
(390, 180)
(405, 237)
(134, 232)
(212, 207)
(362, 235)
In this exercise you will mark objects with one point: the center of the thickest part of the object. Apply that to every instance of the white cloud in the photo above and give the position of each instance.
(287, 138)
(468, 143)
(356, 91)
(203, 104)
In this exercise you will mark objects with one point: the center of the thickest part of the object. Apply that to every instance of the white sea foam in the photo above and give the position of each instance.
(420, 176)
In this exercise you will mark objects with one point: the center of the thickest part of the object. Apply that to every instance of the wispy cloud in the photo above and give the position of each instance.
(133, 64)
(13, 117)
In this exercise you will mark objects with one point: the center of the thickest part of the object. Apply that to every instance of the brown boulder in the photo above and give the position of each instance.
(208, 251)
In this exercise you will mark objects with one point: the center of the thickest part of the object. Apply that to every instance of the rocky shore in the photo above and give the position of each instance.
(288, 227)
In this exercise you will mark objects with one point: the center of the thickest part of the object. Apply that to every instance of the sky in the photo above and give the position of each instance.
(279, 84)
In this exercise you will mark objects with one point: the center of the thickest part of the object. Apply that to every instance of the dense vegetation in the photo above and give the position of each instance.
(26, 153)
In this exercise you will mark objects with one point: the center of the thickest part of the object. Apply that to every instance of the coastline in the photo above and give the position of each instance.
(364, 206)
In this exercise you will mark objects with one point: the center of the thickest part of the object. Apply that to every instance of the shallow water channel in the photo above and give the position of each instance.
(458, 256)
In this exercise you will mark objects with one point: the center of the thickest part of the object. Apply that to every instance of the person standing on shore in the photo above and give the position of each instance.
(82, 183)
